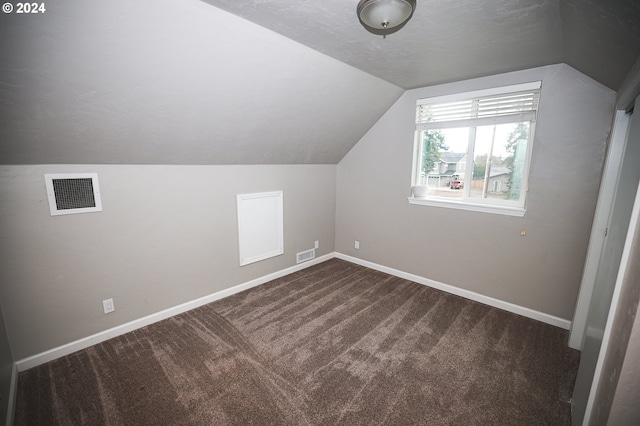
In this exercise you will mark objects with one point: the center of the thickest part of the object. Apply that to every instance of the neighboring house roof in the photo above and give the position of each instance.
(452, 157)
(448, 173)
(498, 171)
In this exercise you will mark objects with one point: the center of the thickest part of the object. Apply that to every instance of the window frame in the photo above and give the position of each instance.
(487, 205)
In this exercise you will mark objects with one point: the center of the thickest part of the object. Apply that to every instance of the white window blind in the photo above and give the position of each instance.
(501, 108)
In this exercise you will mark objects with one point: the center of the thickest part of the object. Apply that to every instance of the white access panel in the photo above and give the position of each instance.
(260, 226)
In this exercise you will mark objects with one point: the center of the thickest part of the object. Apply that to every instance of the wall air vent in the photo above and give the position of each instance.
(71, 193)
(303, 256)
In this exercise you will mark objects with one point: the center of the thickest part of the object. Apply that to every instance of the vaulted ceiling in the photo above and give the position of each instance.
(264, 81)
(456, 40)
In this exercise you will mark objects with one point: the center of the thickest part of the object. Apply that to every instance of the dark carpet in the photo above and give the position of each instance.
(334, 344)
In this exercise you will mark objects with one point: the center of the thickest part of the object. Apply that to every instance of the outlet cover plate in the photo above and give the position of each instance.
(108, 306)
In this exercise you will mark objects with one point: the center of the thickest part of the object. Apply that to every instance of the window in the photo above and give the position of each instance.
(472, 150)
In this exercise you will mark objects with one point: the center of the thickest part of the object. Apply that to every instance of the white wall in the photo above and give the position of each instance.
(483, 252)
(166, 235)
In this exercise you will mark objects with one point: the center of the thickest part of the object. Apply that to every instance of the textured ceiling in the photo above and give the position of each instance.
(173, 82)
(456, 40)
(265, 81)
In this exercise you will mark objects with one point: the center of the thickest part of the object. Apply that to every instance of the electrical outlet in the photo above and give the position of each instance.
(108, 306)
(357, 245)
(317, 244)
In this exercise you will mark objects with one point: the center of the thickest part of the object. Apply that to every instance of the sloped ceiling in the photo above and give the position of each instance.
(173, 82)
(215, 81)
(456, 40)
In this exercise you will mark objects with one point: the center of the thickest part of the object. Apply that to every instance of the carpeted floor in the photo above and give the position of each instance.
(334, 344)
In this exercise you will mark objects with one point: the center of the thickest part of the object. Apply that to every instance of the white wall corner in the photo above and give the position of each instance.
(60, 351)
(490, 301)
(55, 353)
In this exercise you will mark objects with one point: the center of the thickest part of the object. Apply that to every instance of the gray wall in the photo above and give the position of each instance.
(166, 235)
(484, 252)
(618, 389)
(625, 409)
(6, 368)
(173, 82)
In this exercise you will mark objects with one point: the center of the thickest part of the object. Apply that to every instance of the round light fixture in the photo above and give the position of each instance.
(383, 17)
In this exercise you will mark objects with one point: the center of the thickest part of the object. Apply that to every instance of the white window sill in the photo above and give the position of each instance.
(462, 205)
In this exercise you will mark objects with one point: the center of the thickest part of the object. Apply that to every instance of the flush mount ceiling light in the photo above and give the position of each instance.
(383, 17)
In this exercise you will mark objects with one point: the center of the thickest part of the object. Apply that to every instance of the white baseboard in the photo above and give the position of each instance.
(496, 303)
(60, 351)
(13, 388)
(50, 355)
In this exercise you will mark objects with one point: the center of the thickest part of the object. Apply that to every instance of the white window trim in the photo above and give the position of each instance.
(484, 207)
(469, 206)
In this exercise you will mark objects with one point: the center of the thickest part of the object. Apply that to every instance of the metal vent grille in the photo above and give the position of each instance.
(303, 256)
(73, 193)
